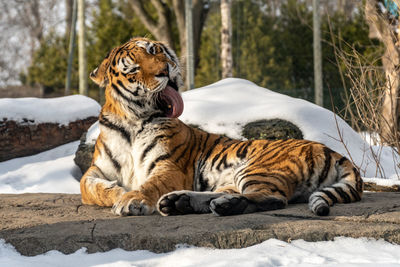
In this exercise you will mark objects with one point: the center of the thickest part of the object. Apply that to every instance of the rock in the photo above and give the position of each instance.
(273, 129)
(373, 187)
(26, 138)
(84, 154)
(37, 223)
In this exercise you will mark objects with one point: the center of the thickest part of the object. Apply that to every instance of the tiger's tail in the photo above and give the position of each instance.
(348, 188)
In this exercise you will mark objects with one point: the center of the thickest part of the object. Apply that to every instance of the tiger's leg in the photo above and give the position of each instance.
(349, 188)
(97, 190)
(258, 194)
(189, 202)
(144, 200)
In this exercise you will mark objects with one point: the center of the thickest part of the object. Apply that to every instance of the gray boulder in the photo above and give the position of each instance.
(273, 129)
(84, 154)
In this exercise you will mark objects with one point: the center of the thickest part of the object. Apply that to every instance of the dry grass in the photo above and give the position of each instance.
(365, 83)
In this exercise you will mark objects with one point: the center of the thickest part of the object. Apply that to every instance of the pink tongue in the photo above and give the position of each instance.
(173, 102)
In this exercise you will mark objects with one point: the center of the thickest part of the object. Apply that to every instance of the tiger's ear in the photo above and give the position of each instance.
(100, 74)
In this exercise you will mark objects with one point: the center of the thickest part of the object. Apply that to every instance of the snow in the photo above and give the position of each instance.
(62, 110)
(223, 107)
(92, 133)
(340, 252)
(51, 171)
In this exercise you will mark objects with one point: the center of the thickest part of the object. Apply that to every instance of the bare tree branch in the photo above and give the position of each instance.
(147, 21)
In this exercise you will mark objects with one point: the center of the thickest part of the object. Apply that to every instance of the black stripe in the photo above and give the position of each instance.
(216, 141)
(148, 148)
(284, 149)
(134, 111)
(160, 158)
(327, 165)
(223, 160)
(167, 51)
(341, 161)
(273, 187)
(326, 201)
(278, 176)
(116, 164)
(116, 89)
(105, 122)
(138, 103)
(203, 147)
(101, 172)
(203, 182)
(274, 143)
(120, 83)
(263, 174)
(345, 175)
(310, 162)
(202, 159)
(354, 193)
(187, 147)
(216, 157)
(150, 119)
(115, 55)
(131, 56)
(343, 195)
(242, 151)
(330, 195)
(234, 145)
(191, 150)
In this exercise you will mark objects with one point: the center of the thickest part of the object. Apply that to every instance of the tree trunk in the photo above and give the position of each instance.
(384, 28)
(83, 82)
(226, 44)
(317, 52)
(68, 17)
(71, 47)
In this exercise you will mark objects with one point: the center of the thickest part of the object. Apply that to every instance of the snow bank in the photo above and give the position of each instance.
(226, 106)
(62, 110)
(51, 171)
(341, 252)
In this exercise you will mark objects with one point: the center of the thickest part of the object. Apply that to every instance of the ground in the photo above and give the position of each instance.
(37, 223)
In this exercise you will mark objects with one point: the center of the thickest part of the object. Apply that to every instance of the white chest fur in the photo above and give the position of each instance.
(129, 162)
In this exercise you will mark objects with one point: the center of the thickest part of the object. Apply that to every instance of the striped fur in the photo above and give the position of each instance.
(145, 162)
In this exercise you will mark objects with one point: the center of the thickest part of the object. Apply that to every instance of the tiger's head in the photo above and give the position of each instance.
(144, 76)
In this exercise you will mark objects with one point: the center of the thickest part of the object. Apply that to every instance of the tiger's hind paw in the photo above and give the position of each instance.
(174, 204)
(229, 205)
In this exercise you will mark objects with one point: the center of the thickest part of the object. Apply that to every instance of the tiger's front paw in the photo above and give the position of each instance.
(175, 203)
(133, 203)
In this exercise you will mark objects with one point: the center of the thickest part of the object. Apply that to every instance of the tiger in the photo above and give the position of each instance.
(147, 160)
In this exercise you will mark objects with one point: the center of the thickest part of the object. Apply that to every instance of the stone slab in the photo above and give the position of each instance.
(37, 223)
